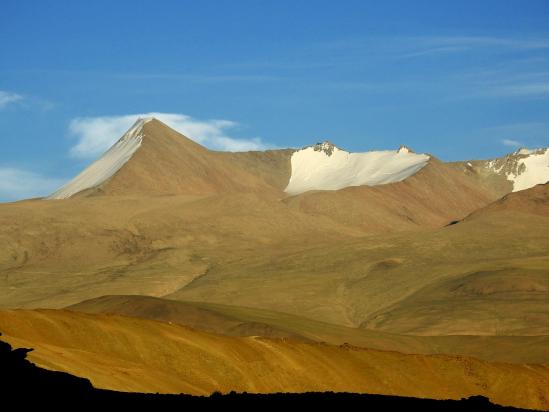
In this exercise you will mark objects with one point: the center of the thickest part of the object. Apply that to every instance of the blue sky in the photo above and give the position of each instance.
(460, 80)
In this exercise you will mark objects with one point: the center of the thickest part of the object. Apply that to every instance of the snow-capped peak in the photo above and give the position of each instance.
(107, 165)
(326, 167)
(533, 169)
(525, 168)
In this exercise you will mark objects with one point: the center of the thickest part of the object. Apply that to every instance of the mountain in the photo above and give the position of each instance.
(516, 171)
(180, 221)
(153, 159)
(133, 354)
(158, 211)
(376, 191)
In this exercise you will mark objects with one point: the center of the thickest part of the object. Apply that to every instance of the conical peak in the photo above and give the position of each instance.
(155, 132)
(113, 159)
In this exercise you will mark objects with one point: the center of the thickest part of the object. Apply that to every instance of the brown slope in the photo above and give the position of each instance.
(376, 280)
(242, 321)
(169, 163)
(272, 166)
(534, 201)
(505, 301)
(433, 197)
(139, 355)
(55, 253)
(182, 313)
(505, 297)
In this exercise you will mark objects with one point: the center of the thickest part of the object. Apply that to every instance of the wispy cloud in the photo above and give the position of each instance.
(528, 128)
(26, 102)
(485, 41)
(433, 45)
(511, 143)
(527, 89)
(97, 134)
(521, 78)
(509, 89)
(18, 184)
(435, 50)
(418, 46)
(527, 134)
(485, 67)
(7, 98)
(200, 78)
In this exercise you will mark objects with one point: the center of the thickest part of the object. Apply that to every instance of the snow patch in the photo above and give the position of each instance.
(316, 170)
(532, 170)
(107, 165)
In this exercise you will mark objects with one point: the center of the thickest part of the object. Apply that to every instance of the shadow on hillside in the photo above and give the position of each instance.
(23, 383)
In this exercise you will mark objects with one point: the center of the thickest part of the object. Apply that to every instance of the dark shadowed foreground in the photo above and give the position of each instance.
(22, 383)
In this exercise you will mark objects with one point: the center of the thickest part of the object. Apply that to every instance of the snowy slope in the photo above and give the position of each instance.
(525, 168)
(536, 170)
(326, 167)
(107, 165)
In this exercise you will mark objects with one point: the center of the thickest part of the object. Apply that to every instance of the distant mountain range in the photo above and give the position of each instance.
(150, 152)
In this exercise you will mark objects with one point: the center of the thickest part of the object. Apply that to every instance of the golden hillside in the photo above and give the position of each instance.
(140, 355)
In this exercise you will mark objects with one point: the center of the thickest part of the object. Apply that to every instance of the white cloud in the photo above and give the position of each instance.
(97, 134)
(512, 143)
(7, 98)
(18, 184)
